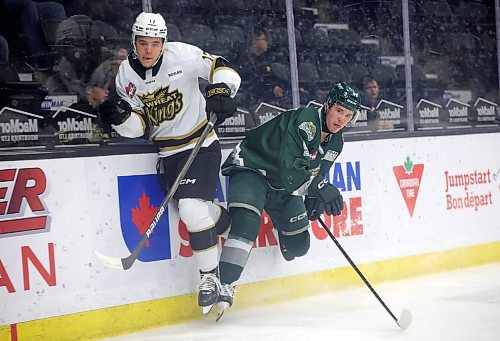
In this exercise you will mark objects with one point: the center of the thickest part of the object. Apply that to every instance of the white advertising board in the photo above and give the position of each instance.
(402, 197)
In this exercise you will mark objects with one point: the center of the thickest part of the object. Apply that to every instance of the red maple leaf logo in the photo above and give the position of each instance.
(409, 177)
(143, 215)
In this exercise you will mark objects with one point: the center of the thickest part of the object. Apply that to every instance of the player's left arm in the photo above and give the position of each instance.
(217, 69)
(224, 84)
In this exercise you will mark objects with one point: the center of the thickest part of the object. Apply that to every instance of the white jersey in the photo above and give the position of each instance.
(167, 97)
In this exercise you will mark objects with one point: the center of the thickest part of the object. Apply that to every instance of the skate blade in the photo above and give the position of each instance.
(221, 308)
(206, 310)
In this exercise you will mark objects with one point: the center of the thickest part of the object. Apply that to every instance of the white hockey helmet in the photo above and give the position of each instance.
(149, 25)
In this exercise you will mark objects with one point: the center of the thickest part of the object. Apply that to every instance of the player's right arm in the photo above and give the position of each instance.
(294, 157)
(124, 112)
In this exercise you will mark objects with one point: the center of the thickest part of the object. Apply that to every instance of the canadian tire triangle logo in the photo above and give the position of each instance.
(409, 177)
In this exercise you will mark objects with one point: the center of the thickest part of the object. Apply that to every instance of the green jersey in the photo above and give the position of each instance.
(287, 150)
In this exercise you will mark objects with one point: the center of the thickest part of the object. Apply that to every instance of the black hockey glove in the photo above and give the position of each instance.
(114, 111)
(219, 101)
(329, 196)
(314, 207)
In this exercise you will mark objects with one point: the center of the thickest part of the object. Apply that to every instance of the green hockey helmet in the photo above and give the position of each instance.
(345, 95)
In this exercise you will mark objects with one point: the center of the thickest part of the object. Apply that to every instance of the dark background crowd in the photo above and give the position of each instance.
(75, 47)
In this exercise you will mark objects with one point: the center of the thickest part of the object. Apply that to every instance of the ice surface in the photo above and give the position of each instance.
(459, 306)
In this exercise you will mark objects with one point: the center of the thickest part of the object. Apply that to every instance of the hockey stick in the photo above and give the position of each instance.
(127, 262)
(405, 318)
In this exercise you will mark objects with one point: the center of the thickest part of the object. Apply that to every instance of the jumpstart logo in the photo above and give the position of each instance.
(469, 190)
(409, 177)
(22, 188)
(139, 197)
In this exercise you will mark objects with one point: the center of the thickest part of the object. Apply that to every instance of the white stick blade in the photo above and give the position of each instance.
(405, 319)
(114, 263)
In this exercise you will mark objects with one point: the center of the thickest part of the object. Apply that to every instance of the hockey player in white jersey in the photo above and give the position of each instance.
(159, 98)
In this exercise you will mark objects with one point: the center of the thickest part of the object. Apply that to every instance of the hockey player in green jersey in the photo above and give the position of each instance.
(280, 166)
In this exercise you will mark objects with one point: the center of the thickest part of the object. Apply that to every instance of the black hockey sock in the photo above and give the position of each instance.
(224, 221)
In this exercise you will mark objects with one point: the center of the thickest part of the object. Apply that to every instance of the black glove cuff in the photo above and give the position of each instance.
(220, 89)
(317, 183)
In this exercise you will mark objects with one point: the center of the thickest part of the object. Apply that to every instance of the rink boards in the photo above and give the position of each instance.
(412, 206)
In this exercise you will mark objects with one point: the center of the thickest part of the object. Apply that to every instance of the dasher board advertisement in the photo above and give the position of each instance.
(402, 197)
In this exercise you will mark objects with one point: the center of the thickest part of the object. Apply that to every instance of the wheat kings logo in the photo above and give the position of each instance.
(162, 105)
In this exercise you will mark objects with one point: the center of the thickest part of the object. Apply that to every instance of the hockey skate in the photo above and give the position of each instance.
(208, 291)
(225, 299)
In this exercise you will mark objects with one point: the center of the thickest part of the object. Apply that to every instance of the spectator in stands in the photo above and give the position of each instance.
(371, 92)
(266, 82)
(84, 44)
(99, 88)
(96, 92)
(77, 63)
(30, 14)
(370, 98)
(119, 54)
(255, 68)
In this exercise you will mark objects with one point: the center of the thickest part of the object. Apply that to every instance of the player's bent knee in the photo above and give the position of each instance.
(195, 213)
(298, 244)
